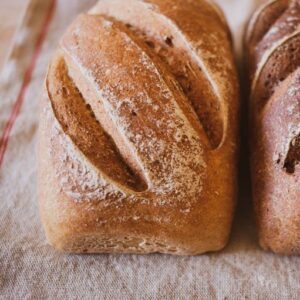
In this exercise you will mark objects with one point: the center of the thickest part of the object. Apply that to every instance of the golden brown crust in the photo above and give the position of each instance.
(138, 134)
(273, 46)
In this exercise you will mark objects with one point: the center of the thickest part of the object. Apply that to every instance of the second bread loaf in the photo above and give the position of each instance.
(273, 44)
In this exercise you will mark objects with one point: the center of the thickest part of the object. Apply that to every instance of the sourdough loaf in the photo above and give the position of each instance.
(138, 130)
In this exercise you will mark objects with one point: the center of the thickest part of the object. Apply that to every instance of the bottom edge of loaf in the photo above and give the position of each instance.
(97, 245)
(280, 247)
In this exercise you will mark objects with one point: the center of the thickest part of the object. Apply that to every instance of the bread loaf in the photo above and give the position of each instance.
(273, 46)
(138, 130)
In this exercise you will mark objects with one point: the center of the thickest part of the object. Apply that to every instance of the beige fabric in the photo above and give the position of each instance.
(30, 269)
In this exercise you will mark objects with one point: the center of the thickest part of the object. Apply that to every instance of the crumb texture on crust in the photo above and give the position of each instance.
(139, 116)
(273, 57)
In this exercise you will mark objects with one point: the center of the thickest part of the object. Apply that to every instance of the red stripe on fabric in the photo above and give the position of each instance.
(26, 80)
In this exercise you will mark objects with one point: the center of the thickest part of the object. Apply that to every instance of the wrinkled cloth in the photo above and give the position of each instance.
(31, 269)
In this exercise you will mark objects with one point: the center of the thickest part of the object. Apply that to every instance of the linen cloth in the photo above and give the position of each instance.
(30, 269)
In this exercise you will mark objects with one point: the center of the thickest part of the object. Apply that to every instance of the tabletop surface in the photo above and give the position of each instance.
(11, 12)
